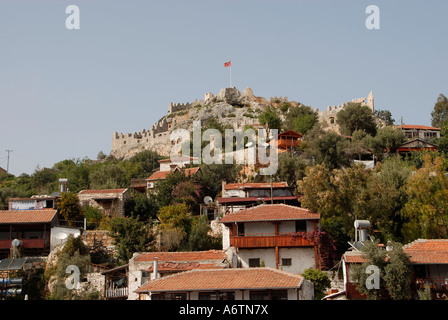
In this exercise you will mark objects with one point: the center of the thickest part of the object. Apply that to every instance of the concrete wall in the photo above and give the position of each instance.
(301, 258)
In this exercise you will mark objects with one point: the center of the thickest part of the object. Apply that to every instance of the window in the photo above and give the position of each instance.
(227, 295)
(207, 295)
(254, 263)
(286, 262)
(300, 225)
(269, 295)
(241, 229)
(170, 296)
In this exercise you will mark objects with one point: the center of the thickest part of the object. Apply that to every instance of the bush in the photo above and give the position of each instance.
(320, 280)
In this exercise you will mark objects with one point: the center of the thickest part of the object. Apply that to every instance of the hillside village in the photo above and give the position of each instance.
(352, 189)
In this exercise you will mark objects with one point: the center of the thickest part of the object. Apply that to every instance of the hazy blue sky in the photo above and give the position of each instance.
(64, 92)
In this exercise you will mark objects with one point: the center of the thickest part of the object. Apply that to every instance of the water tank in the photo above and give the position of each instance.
(362, 224)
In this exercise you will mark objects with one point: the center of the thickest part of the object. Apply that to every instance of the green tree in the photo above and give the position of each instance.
(394, 272)
(320, 280)
(130, 235)
(175, 226)
(70, 208)
(212, 175)
(109, 176)
(328, 148)
(386, 116)
(300, 119)
(356, 116)
(270, 120)
(200, 238)
(142, 206)
(426, 211)
(386, 140)
(440, 113)
(290, 169)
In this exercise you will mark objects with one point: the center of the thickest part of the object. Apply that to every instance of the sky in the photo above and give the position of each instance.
(63, 92)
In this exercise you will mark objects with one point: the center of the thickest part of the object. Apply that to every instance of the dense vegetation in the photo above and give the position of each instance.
(403, 197)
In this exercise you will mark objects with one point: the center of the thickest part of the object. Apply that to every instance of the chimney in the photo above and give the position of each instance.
(224, 182)
(155, 268)
(63, 185)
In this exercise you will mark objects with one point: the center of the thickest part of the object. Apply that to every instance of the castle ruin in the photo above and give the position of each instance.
(230, 106)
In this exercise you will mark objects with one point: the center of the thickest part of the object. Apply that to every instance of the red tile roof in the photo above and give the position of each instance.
(420, 127)
(270, 212)
(427, 251)
(102, 191)
(182, 256)
(254, 199)
(162, 174)
(27, 216)
(224, 279)
(178, 159)
(258, 185)
(183, 266)
(353, 257)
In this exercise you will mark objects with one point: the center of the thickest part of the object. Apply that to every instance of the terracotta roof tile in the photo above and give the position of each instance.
(183, 266)
(182, 256)
(270, 212)
(102, 191)
(162, 174)
(414, 126)
(27, 216)
(428, 251)
(257, 185)
(224, 279)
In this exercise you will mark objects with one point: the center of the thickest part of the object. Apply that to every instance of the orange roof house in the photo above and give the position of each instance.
(420, 131)
(229, 284)
(145, 266)
(31, 227)
(265, 235)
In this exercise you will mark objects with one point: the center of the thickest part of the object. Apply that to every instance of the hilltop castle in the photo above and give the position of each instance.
(230, 106)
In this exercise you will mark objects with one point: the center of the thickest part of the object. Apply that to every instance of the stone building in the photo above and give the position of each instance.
(109, 201)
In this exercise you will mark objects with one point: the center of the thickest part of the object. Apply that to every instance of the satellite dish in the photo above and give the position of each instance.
(16, 243)
(249, 144)
(208, 200)
(61, 235)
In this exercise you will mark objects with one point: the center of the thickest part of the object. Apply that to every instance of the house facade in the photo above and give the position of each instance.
(109, 201)
(31, 227)
(228, 284)
(143, 267)
(269, 235)
(239, 196)
(420, 131)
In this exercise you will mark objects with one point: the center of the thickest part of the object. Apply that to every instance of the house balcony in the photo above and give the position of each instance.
(27, 243)
(116, 293)
(264, 240)
(436, 284)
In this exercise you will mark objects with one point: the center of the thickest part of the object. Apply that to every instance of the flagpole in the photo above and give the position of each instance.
(230, 74)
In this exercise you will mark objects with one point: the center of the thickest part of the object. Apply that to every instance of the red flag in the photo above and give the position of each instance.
(227, 64)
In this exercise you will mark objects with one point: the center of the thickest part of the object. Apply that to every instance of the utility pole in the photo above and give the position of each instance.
(7, 166)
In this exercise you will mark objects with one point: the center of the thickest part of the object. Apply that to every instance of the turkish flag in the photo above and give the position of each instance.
(226, 64)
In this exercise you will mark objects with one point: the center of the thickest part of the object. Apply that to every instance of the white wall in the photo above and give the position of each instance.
(301, 258)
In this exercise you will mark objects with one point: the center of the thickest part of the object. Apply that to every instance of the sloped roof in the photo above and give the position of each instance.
(162, 174)
(420, 127)
(270, 212)
(224, 279)
(255, 185)
(101, 191)
(186, 256)
(27, 216)
(183, 266)
(427, 251)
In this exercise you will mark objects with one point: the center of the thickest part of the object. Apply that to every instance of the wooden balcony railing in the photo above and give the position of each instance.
(27, 243)
(438, 284)
(269, 241)
(116, 293)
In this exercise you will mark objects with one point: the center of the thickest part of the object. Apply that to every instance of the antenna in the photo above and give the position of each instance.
(7, 166)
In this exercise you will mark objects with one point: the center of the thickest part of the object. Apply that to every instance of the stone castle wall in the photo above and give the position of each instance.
(158, 137)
